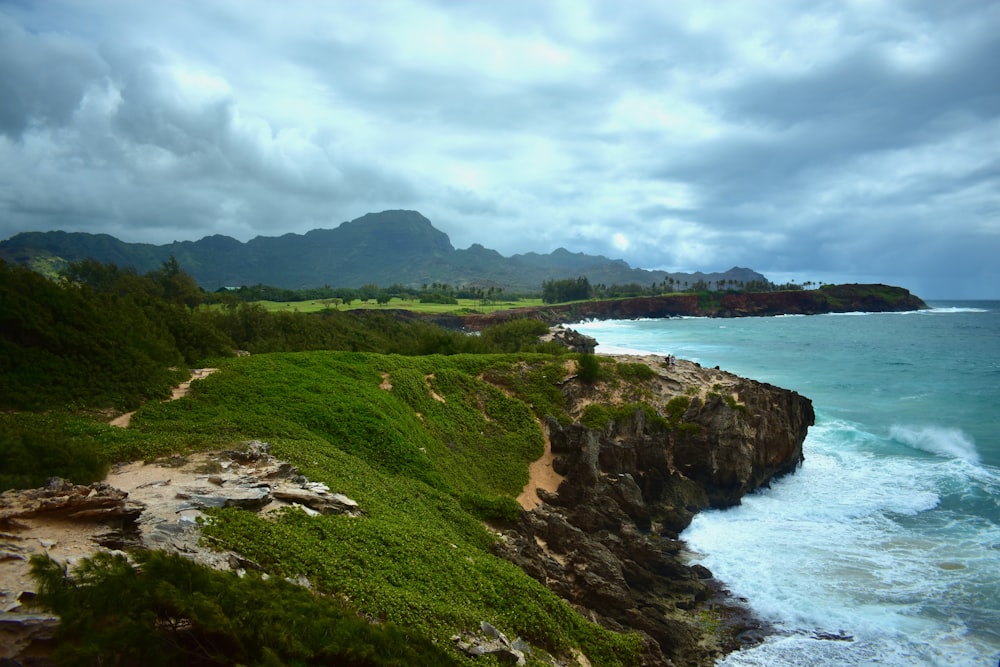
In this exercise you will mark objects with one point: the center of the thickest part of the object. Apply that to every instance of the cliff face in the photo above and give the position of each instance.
(606, 540)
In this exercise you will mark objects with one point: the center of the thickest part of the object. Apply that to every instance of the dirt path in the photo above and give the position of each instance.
(71, 540)
(180, 390)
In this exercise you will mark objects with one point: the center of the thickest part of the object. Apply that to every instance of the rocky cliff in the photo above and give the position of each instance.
(827, 299)
(607, 538)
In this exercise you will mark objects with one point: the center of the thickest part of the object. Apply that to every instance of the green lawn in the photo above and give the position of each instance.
(464, 306)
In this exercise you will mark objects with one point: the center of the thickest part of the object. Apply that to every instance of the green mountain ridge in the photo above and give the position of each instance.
(383, 248)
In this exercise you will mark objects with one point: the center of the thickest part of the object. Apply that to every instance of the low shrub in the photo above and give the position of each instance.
(166, 610)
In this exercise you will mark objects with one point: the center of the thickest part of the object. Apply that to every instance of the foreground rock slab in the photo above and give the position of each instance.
(140, 505)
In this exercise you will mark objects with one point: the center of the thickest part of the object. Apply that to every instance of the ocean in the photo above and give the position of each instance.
(884, 547)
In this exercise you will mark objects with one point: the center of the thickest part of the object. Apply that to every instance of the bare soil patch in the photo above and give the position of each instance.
(541, 475)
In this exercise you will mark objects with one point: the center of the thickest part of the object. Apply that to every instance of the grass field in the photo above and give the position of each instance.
(464, 306)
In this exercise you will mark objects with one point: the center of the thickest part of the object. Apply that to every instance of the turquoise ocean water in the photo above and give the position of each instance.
(890, 531)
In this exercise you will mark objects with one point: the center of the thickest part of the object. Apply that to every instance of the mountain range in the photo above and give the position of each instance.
(391, 247)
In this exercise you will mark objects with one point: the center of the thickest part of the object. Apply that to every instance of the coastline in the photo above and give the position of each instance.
(827, 299)
(904, 452)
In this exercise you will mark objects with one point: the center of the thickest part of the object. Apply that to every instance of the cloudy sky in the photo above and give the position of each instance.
(841, 141)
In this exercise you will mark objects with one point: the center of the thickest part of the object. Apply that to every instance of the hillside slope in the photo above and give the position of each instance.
(426, 448)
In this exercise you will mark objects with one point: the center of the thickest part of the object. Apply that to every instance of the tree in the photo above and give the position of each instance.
(177, 286)
(557, 291)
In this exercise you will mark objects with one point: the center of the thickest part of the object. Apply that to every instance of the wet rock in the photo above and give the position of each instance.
(571, 339)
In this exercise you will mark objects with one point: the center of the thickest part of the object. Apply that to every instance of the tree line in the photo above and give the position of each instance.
(553, 291)
(427, 293)
(580, 289)
(107, 336)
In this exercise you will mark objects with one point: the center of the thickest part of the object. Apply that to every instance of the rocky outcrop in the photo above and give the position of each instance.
(491, 642)
(607, 540)
(139, 506)
(571, 339)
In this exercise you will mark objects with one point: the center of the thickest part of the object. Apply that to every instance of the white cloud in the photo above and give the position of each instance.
(787, 136)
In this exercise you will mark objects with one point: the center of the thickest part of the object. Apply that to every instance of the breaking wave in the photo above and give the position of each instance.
(942, 441)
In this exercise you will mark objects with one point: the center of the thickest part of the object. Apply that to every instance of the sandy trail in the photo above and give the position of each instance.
(180, 391)
(540, 476)
(71, 540)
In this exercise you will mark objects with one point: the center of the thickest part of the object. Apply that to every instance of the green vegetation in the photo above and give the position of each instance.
(165, 610)
(66, 345)
(589, 368)
(107, 337)
(561, 291)
(418, 304)
(34, 448)
(598, 416)
(839, 296)
(634, 372)
(676, 407)
(536, 381)
(430, 439)
(427, 459)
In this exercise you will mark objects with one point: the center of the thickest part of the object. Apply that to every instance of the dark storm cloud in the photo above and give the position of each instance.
(42, 78)
(815, 141)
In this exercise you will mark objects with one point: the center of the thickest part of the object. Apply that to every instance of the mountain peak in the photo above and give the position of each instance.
(394, 246)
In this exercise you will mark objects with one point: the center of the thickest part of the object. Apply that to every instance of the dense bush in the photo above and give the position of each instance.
(166, 610)
(66, 345)
(588, 368)
(33, 449)
(108, 337)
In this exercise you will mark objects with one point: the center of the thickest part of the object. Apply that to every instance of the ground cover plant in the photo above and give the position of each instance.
(163, 609)
(430, 451)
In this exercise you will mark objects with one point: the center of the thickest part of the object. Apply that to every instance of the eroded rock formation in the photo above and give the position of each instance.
(607, 539)
(140, 506)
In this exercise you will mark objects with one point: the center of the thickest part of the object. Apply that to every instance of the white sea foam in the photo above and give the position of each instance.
(616, 349)
(893, 538)
(955, 309)
(938, 440)
(853, 559)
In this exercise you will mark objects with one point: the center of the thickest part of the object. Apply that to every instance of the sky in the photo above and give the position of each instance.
(812, 141)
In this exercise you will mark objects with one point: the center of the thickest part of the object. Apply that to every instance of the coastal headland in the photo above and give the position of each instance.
(632, 468)
(635, 450)
(826, 299)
